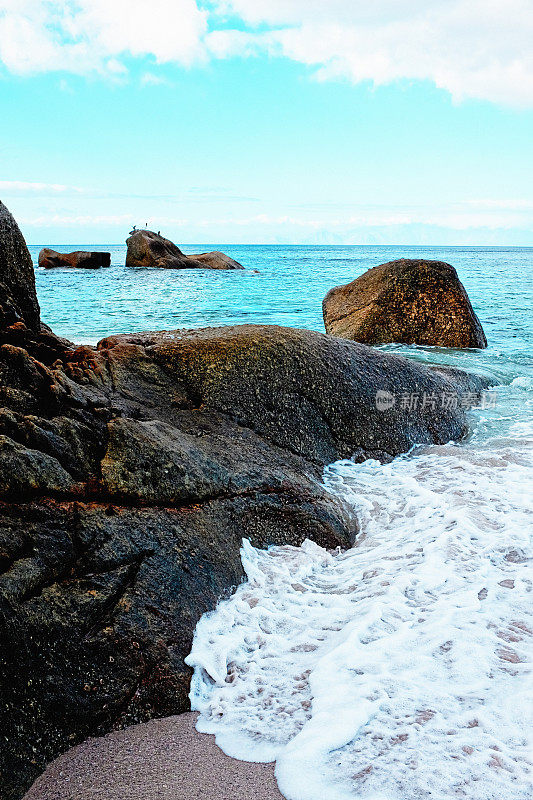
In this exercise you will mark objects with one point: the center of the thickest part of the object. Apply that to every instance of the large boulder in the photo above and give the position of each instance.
(18, 298)
(413, 301)
(129, 475)
(80, 259)
(149, 249)
(310, 394)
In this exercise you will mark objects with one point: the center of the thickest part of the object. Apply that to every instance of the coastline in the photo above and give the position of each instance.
(203, 436)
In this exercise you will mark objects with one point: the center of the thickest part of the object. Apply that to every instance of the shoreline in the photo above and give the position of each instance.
(149, 457)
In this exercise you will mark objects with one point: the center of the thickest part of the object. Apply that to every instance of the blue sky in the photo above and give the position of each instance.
(287, 121)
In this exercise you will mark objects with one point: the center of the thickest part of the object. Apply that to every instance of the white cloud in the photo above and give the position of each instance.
(471, 48)
(444, 216)
(82, 36)
(76, 220)
(151, 79)
(512, 204)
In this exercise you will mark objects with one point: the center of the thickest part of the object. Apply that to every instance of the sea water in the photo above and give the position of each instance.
(399, 669)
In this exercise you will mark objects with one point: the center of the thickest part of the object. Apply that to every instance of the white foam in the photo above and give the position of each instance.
(397, 670)
(523, 382)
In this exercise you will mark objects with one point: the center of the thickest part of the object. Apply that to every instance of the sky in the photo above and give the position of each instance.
(268, 121)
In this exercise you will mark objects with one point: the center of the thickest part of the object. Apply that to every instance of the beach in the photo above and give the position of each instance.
(160, 760)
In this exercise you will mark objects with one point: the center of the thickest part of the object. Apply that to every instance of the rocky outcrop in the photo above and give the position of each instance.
(129, 475)
(18, 298)
(310, 394)
(80, 259)
(413, 301)
(149, 249)
(216, 260)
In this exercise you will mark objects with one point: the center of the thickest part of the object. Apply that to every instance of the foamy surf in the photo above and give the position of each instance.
(399, 669)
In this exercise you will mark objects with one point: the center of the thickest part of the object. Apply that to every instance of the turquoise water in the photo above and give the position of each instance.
(288, 290)
(285, 285)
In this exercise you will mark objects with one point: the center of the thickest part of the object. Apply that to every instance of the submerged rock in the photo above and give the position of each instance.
(413, 301)
(80, 259)
(149, 249)
(129, 475)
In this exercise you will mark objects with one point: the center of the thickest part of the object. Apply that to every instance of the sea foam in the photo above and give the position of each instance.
(396, 670)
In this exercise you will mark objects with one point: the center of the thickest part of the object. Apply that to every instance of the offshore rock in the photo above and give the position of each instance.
(413, 301)
(149, 249)
(79, 259)
(216, 260)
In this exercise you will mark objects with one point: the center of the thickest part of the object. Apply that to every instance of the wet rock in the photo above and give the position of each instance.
(413, 301)
(80, 259)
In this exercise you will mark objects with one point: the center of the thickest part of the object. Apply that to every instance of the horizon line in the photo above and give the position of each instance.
(296, 244)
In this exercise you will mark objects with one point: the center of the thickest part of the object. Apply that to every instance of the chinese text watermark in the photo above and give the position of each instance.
(433, 401)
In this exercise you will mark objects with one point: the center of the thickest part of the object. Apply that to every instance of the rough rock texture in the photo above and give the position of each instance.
(149, 249)
(411, 301)
(129, 475)
(81, 259)
(18, 299)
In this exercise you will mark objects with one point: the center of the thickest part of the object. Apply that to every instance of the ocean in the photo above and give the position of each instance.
(398, 670)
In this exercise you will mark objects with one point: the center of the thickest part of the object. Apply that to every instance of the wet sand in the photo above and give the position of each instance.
(165, 759)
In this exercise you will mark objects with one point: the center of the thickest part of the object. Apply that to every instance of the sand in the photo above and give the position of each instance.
(165, 759)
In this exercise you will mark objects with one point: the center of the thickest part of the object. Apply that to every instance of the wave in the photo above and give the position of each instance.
(397, 669)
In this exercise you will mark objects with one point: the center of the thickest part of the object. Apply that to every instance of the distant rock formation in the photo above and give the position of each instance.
(79, 259)
(413, 301)
(215, 260)
(149, 249)
(129, 475)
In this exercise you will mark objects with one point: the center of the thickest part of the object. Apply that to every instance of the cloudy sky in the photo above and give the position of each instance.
(303, 121)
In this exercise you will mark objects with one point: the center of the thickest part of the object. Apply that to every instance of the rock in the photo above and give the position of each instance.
(413, 301)
(128, 477)
(27, 470)
(149, 249)
(49, 259)
(307, 393)
(216, 260)
(18, 299)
